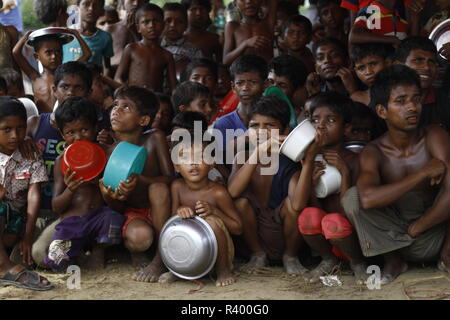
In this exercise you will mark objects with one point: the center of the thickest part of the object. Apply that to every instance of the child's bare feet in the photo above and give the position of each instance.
(150, 273)
(360, 270)
(392, 269)
(224, 277)
(325, 267)
(257, 260)
(139, 260)
(167, 277)
(293, 266)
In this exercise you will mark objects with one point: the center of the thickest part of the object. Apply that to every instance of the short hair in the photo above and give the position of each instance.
(249, 63)
(102, 3)
(165, 99)
(323, 3)
(3, 85)
(47, 11)
(328, 40)
(203, 3)
(146, 101)
(39, 41)
(414, 43)
(11, 76)
(177, 7)
(336, 102)
(298, 20)
(361, 112)
(363, 50)
(73, 109)
(186, 92)
(74, 68)
(149, 7)
(389, 78)
(200, 63)
(94, 68)
(274, 107)
(291, 68)
(186, 120)
(10, 106)
(111, 10)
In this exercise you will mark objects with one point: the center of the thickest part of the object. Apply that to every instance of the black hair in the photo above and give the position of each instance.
(11, 76)
(389, 78)
(328, 40)
(336, 102)
(47, 11)
(146, 101)
(149, 7)
(94, 68)
(287, 7)
(363, 50)
(274, 107)
(186, 92)
(102, 3)
(200, 63)
(323, 3)
(249, 63)
(73, 68)
(3, 86)
(10, 106)
(298, 20)
(414, 43)
(186, 120)
(73, 109)
(177, 7)
(203, 3)
(39, 41)
(360, 112)
(291, 68)
(165, 99)
(109, 9)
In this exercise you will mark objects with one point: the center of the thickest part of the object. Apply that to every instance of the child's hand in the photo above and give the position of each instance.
(314, 148)
(126, 187)
(203, 209)
(333, 158)
(313, 83)
(29, 149)
(347, 79)
(108, 191)
(104, 137)
(257, 42)
(318, 171)
(269, 144)
(25, 250)
(416, 6)
(185, 212)
(2, 192)
(72, 184)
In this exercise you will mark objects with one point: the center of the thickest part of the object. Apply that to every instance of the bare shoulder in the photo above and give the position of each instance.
(437, 141)
(371, 151)
(176, 184)
(435, 131)
(232, 25)
(154, 139)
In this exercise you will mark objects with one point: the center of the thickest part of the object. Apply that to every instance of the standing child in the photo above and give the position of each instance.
(144, 198)
(47, 50)
(85, 221)
(195, 195)
(99, 41)
(144, 63)
(251, 35)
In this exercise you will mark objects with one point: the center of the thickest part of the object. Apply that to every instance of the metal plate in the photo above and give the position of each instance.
(188, 247)
(441, 35)
(65, 36)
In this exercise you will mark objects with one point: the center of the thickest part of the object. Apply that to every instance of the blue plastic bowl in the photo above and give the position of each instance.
(125, 160)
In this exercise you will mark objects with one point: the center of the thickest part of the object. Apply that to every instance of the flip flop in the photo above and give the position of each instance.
(32, 280)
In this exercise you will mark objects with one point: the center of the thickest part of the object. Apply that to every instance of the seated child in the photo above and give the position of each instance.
(197, 33)
(144, 63)
(297, 33)
(362, 127)
(165, 113)
(251, 35)
(195, 195)
(399, 206)
(321, 221)
(144, 198)
(47, 50)
(85, 221)
(192, 96)
(368, 59)
(267, 201)
(19, 198)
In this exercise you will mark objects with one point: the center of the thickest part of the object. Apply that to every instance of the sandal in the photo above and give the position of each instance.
(32, 280)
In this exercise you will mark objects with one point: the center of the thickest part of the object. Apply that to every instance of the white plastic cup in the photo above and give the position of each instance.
(296, 143)
(330, 182)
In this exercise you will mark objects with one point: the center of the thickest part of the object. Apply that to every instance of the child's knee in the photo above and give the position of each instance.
(310, 221)
(243, 205)
(336, 226)
(159, 192)
(138, 237)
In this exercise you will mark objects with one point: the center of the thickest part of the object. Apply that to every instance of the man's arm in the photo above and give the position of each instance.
(20, 59)
(362, 35)
(124, 66)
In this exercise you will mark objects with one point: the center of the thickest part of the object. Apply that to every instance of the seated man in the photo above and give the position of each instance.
(403, 208)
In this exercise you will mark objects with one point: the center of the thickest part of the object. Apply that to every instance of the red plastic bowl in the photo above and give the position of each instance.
(85, 158)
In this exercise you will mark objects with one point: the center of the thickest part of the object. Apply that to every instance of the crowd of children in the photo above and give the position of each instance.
(363, 73)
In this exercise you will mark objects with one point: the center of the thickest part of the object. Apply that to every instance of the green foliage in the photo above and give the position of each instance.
(30, 21)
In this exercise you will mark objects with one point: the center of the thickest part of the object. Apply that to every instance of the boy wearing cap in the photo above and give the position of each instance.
(48, 50)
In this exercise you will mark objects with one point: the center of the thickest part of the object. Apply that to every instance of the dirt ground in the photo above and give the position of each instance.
(114, 282)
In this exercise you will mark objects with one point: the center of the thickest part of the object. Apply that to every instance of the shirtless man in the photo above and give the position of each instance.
(403, 208)
(48, 50)
(143, 63)
(251, 35)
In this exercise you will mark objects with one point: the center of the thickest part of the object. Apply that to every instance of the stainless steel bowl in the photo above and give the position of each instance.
(441, 35)
(188, 247)
(61, 33)
(355, 146)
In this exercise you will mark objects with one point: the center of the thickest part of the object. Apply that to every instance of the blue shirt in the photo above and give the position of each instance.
(100, 44)
(13, 17)
(229, 121)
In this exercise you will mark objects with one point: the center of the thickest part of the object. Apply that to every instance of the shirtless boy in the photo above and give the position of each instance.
(251, 35)
(400, 204)
(144, 198)
(48, 50)
(144, 63)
